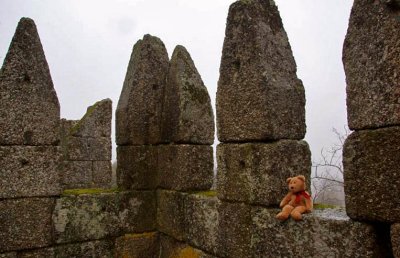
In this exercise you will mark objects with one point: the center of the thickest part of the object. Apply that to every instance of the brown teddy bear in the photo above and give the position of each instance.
(297, 201)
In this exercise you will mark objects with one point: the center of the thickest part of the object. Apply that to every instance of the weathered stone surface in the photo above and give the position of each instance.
(138, 115)
(259, 96)
(29, 107)
(185, 167)
(95, 216)
(25, 223)
(66, 126)
(87, 148)
(395, 239)
(256, 172)
(371, 170)
(371, 54)
(27, 171)
(171, 213)
(9, 255)
(323, 233)
(76, 174)
(93, 249)
(38, 253)
(138, 245)
(202, 221)
(137, 167)
(96, 122)
(234, 235)
(101, 174)
(170, 248)
(187, 111)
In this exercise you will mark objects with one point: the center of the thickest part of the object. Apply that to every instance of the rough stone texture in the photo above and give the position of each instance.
(9, 255)
(102, 174)
(96, 122)
(170, 248)
(234, 233)
(25, 223)
(171, 213)
(259, 96)
(138, 246)
(256, 173)
(29, 107)
(371, 54)
(38, 253)
(93, 249)
(395, 239)
(138, 115)
(95, 216)
(87, 148)
(201, 215)
(137, 167)
(185, 167)
(27, 171)
(371, 170)
(187, 111)
(323, 233)
(76, 174)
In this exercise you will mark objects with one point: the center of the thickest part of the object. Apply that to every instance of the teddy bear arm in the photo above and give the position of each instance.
(285, 200)
(309, 204)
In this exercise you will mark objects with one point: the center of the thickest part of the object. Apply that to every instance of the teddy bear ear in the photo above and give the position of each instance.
(301, 177)
(288, 180)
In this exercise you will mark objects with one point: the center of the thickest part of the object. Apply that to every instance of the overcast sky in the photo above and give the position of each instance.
(88, 45)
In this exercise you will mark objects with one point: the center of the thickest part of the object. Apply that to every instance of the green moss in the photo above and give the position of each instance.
(89, 191)
(321, 206)
(207, 193)
(89, 112)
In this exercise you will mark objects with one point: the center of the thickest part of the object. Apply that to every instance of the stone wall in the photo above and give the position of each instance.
(56, 198)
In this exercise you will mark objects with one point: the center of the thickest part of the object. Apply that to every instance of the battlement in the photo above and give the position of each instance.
(56, 195)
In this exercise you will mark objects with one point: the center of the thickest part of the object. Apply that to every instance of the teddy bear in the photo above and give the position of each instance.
(297, 201)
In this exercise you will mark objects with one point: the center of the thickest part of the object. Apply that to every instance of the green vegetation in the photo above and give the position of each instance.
(207, 193)
(321, 206)
(89, 191)
(89, 111)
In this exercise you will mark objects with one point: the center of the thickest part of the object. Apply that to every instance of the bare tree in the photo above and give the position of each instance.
(327, 173)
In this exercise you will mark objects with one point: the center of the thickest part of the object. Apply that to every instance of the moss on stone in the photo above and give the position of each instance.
(89, 191)
(321, 206)
(89, 112)
(140, 235)
(210, 193)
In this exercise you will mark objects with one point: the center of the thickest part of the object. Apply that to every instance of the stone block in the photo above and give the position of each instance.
(38, 253)
(171, 213)
(259, 96)
(171, 248)
(8, 255)
(93, 249)
(395, 239)
(138, 245)
(137, 167)
(101, 174)
(27, 171)
(371, 168)
(256, 173)
(185, 167)
(371, 52)
(95, 216)
(234, 232)
(82, 148)
(29, 107)
(96, 122)
(76, 174)
(187, 112)
(202, 221)
(25, 223)
(323, 233)
(139, 110)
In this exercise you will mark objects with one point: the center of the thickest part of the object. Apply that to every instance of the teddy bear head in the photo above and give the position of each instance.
(296, 184)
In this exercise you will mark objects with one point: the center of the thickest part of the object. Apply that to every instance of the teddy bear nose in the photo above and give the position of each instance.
(292, 187)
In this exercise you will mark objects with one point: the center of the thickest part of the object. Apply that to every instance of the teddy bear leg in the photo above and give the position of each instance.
(296, 212)
(284, 214)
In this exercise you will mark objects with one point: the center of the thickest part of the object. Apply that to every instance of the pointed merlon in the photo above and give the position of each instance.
(29, 107)
(259, 96)
(187, 112)
(138, 115)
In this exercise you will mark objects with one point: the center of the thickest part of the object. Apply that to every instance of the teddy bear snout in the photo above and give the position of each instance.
(292, 187)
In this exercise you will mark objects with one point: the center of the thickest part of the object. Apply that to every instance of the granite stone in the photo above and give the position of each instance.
(395, 239)
(187, 112)
(76, 174)
(259, 96)
(371, 170)
(256, 173)
(27, 171)
(371, 54)
(101, 174)
(139, 110)
(138, 245)
(171, 248)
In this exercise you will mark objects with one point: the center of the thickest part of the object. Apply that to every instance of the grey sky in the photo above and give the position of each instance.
(88, 45)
